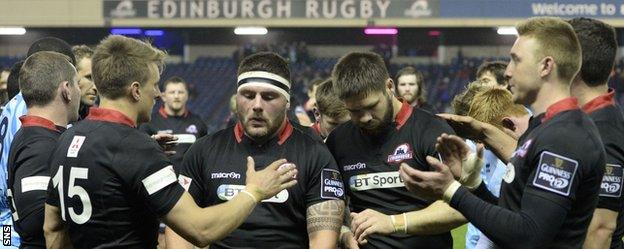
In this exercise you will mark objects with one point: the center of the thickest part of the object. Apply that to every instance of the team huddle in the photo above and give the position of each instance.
(531, 157)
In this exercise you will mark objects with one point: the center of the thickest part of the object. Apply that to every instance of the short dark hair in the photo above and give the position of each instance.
(118, 61)
(420, 81)
(598, 48)
(359, 74)
(266, 62)
(174, 80)
(41, 75)
(496, 68)
(52, 44)
(13, 87)
(327, 102)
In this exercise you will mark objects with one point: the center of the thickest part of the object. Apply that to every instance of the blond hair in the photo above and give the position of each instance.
(556, 38)
(494, 104)
(461, 102)
(118, 61)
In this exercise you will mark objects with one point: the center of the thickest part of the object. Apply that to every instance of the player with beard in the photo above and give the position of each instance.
(174, 118)
(308, 215)
(552, 182)
(411, 87)
(111, 183)
(87, 88)
(385, 132)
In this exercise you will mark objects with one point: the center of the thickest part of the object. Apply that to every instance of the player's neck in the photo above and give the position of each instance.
(550, 93)
(396, 106)
(172, 112)
(585, 93)
(58, 115)
(121, 106)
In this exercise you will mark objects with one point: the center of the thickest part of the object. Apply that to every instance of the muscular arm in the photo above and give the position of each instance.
(601, 229)
(203, 226)
(324, 220)
(54, 231)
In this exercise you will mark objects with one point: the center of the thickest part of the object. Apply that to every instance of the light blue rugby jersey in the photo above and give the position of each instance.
(9, 124)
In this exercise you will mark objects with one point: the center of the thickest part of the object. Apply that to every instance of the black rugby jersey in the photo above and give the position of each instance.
(114, 182)
(609, 119)
(187, 128)
(213, 172)
(551, 186)
(369, 166)
(29, 176)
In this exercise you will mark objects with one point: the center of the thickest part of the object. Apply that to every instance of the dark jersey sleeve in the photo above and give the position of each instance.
(152, 178)
(325, 181)
(31, 180)
(612, 182)
(52, 197)
(190, 173)
(536, 224)
(203, 128)
(147, 128)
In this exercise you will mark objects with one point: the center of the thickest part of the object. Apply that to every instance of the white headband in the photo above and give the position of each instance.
(265, 79)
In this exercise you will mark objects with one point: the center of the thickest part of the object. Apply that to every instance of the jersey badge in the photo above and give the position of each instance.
(611, 185)
(401, 153)
(185, 181)
(191, 129)
(555, 173)
(510, 173)
(332, 186)
(75, 146)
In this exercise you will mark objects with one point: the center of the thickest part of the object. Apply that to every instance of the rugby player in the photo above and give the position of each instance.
(49, 86)
(552, 180)
(87, 88)
(308, 215)
(411, 87)
(111, 183)
(385, 132)
(330, 112)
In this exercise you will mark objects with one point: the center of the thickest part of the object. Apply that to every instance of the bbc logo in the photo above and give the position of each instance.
(6, 235)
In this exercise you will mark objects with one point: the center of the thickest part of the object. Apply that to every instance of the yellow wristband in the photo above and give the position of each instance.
(450, 191)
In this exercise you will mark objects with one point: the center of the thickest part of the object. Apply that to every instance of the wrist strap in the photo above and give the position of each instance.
(450, 191)
(400, 225)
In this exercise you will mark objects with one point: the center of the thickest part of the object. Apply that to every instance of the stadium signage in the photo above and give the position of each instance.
(269, 9)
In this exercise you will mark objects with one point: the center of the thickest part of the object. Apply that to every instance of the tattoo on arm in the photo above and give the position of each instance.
(326, 215)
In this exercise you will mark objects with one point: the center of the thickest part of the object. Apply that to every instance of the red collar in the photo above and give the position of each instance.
(316, 127)
(284, 134)
(404, 114)
(109, 115)
(599, 102)
(560, 106)
(36, 121)
(164, 114)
